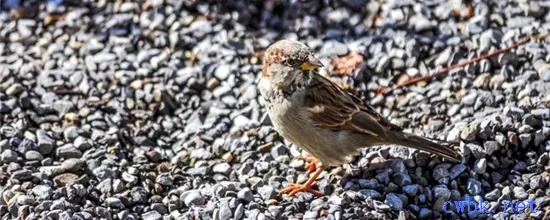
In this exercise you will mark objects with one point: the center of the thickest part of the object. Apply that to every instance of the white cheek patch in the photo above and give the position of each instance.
(264, 83)
(317, 109)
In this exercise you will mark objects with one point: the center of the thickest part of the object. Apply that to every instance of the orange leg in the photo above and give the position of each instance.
(295, 188)
(311, 162)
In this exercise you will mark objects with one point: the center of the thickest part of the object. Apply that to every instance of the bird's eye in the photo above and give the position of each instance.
(291, 62)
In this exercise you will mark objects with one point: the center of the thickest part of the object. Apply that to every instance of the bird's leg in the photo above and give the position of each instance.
(311, 162)
(295, 188)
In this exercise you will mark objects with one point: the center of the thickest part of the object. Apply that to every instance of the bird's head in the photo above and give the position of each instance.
(288, 60)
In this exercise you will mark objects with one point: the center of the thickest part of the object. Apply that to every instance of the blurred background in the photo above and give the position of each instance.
(150, 110)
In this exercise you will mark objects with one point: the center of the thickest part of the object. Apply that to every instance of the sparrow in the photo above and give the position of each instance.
(317, 115)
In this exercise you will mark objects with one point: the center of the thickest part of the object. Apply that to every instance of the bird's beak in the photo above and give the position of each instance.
(311, 63)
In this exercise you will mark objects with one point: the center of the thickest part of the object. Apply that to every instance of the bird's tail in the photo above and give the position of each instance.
(417, 142)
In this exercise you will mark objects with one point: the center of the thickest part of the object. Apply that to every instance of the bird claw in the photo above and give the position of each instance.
(292, 189)
(311, 166)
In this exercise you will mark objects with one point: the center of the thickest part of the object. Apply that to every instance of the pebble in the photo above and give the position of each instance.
(222, 168)
(481, 166)
(491, 147)
(394, 202)
(222, 72)
(225, 212)
(469, 133)
(267, 192)
(42, 192)
(9, 156)
(546, 76)
(473, 186)
(33, 155)
(68, 151)
(151, 215)
(369, 193)
(194, 199)
(245, 194)
(45, 142)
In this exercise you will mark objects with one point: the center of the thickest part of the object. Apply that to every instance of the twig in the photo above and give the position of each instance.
(67, 92)
(386, 90)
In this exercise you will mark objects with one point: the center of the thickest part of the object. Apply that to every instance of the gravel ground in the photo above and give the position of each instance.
(122, 110)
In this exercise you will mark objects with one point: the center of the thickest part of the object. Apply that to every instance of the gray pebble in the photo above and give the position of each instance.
(194, 198)
(245, 194)
(222, 168)
(68, 151)
(267, 192)
(33, 155)
(225, 213)
(82, 143)
(9, 156)
(481, 166)
(152, 215)
(114, 202)
(45, 142)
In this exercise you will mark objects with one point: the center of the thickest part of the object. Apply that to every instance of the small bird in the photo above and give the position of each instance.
(318, 116)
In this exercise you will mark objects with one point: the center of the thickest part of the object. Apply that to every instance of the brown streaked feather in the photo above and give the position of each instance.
(342, 110)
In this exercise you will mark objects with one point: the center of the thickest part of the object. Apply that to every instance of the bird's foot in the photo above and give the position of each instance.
(295, 188)
(292, 189)
(312, 161)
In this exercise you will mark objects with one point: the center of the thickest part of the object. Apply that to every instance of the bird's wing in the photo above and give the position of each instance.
(332, 107)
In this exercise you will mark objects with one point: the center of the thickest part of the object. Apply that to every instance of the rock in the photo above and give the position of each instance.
(368, 183)
(245, 194)
(424, 213)
(454, 135)
(68, 151)
(520, 193)
(225, 212)
(480, 166)
(469, 99)
(410, 190)
(440, 173)
(45, 142)
(394, 201)
(473, 186)
(369, 193)
(82, 143)
(33, 155)
(441, 192)
(151, 215)
(21, 175)
(222, 168)
(541, 113)
(490, 147)
(493, 195)
(469, 133)
(42, 192)
(402, 179)
(267, 192)
(9, 156)
(222, 72)
(114, 202)
(14, 89)
(66, 179)
(72, 165)
(546, 76)
(525, 139)
(194, 198)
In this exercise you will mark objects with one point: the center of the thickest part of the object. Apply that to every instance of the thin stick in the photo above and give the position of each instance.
(386, 90)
